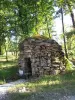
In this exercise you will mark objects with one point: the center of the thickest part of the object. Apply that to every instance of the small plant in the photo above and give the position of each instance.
(69, 64)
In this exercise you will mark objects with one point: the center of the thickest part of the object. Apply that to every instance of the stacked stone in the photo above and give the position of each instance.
(46, 55)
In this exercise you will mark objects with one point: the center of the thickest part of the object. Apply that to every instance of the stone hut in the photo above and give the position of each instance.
(40, 56)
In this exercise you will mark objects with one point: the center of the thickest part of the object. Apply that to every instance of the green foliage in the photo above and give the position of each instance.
(8, 69)
(24, 18)
(66, 4)
(69, 65)
(71, 44)
(70, 34)
(8, 73)
(40, 36)
(2, 49)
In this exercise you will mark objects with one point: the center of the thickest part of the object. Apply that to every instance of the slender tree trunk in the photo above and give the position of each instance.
(48, 27)
(65, 48)
(16, 47)
(72, 17)
(6, 53)
(16, 39)
(0, 50)
(36, 20)
(71, 13)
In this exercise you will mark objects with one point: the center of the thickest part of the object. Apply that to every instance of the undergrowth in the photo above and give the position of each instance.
(8, 69)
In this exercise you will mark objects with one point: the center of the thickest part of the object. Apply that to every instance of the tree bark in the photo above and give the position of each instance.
(65, 48)
(0, 50)
(6, 53)
(72, 17)
(71, 13)
(48, 27)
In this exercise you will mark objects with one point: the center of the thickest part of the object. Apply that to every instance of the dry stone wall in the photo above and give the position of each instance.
(46, 56)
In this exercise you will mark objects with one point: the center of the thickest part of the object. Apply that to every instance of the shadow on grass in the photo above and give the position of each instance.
(47, 88)
(8, 73)
(8, 62)
(8, 70)
(53, 92)
(63, 83)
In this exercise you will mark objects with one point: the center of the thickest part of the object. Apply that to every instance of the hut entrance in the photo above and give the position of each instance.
(28, 69)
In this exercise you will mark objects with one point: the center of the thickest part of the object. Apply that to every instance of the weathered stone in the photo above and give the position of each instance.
(38, 56)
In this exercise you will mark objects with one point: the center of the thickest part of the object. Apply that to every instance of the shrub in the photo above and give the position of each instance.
(69, 64)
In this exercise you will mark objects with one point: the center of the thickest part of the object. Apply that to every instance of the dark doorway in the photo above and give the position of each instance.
(28, 69)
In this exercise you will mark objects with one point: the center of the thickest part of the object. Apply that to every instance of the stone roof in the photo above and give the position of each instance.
(37, 41)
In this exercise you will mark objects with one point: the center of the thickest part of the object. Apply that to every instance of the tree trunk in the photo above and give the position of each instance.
(6, 53)
(65, 48)
(48, 27)
(72, 17)
(0, 50)
(71, 13)
(35, 15)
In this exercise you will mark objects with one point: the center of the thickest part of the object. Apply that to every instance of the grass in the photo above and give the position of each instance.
(51, 87)
(11, 61)
(8, 69)
(49, 82)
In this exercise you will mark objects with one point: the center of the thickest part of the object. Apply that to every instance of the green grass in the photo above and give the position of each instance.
(49, 82)
(11, 61)
(50, 87)
(8, 69)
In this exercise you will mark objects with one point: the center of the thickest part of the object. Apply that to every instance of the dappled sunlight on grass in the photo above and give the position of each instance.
(7, 63)
(8, 69)
(52, 82)
(8, 73)
(11, 61)
(2, 82)
(51, 87)
(10, 57)
(43, 82)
